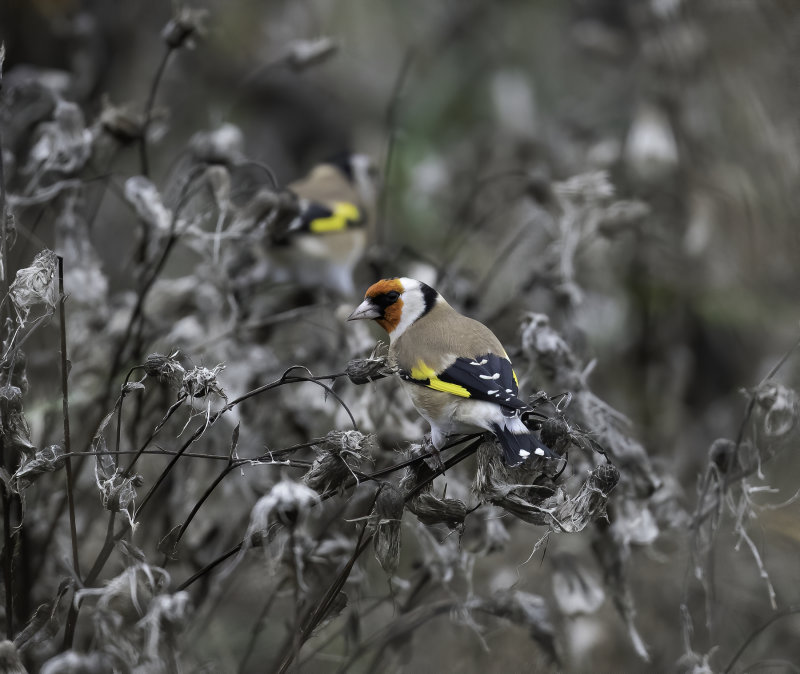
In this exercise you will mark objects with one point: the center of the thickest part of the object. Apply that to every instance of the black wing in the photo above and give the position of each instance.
(489, 377)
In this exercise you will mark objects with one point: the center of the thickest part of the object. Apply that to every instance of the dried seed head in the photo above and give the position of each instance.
(722, 454)
(119, 121)
(166, 617)
(365, 370)
(288, 502)
(129, 594)
(527, 610)
(16, 434)
(10, 662)
(386, 518)
(332, 467)
(781, 408)
(47, 460)
(555, 434)
(165, 369)
(576, 590)
(145, 198)
(200, 381)
(36, 285)
(183, 26)
(224, 145)
(432, 510)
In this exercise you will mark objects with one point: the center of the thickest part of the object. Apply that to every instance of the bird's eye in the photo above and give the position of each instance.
(392, 296)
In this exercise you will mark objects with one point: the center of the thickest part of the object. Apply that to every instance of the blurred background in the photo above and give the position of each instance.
(628, 169)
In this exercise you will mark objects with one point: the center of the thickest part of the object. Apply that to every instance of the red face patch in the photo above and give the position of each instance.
(393, 312)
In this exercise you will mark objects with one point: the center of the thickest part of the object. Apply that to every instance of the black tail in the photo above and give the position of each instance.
(518, 448)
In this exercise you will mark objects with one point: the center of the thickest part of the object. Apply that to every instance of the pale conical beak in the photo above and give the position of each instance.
(365, 310)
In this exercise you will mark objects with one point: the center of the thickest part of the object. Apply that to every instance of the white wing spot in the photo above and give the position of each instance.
(493, 377)
(482, 362)
(509, 390)
(538, 451)
(493, 393)
(525, 453)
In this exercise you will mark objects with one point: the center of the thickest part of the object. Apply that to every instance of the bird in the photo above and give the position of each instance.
(455, 370)
(319, 238)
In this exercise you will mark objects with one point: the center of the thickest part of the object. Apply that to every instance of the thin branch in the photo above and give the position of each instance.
(791, 610)
(73, 531)
(148, 110)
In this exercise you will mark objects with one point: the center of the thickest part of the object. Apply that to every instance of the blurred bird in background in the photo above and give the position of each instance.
(323, 223)
(454, 368)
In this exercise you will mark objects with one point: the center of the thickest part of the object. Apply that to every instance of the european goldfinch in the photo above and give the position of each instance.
(327, 229)
(454, 369)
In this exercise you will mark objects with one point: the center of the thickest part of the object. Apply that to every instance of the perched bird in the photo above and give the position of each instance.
(323, 233)
(455, 370)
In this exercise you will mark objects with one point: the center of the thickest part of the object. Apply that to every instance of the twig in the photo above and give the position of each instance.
(148, 110)
(257, 627)
(791, 610)
(73, 531)
(8, 548)
(391, 135)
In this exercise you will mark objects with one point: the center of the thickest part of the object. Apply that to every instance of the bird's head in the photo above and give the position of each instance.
(360, 171)
(395, 304)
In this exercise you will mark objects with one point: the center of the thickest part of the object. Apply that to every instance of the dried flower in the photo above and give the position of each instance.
(386, 517)
(10, 662)
(781, 408)
(366, 370)
(166, 369)
(200, 381)
(224, 145)
(527, 610)
(183, 26)
(119, 121)
(145, 198)
(576, 590)
(165, 618)
(63, 145)
(331, 469)
(288, 502)
(47, 460)
(16, 433)
(36, 285)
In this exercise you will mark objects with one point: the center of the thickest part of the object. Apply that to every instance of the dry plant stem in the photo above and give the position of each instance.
(257, 627)
(8, 550)
(73, 531)
(151, 278)
(214, 417)
(148, 110)
(316, 615)
(210, 567)
(94, 572)
(391, 136)
(8, 547)
(173, 408)
(789, 611)
(361, 477)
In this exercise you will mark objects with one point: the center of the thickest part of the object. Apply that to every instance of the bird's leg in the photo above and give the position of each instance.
(429, 447)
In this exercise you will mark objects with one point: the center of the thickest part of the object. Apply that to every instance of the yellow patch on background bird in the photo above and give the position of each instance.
(423, 372)
(344, 214)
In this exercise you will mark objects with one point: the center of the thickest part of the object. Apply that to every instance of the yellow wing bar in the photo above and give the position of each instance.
(426, 375)
(344, 214)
